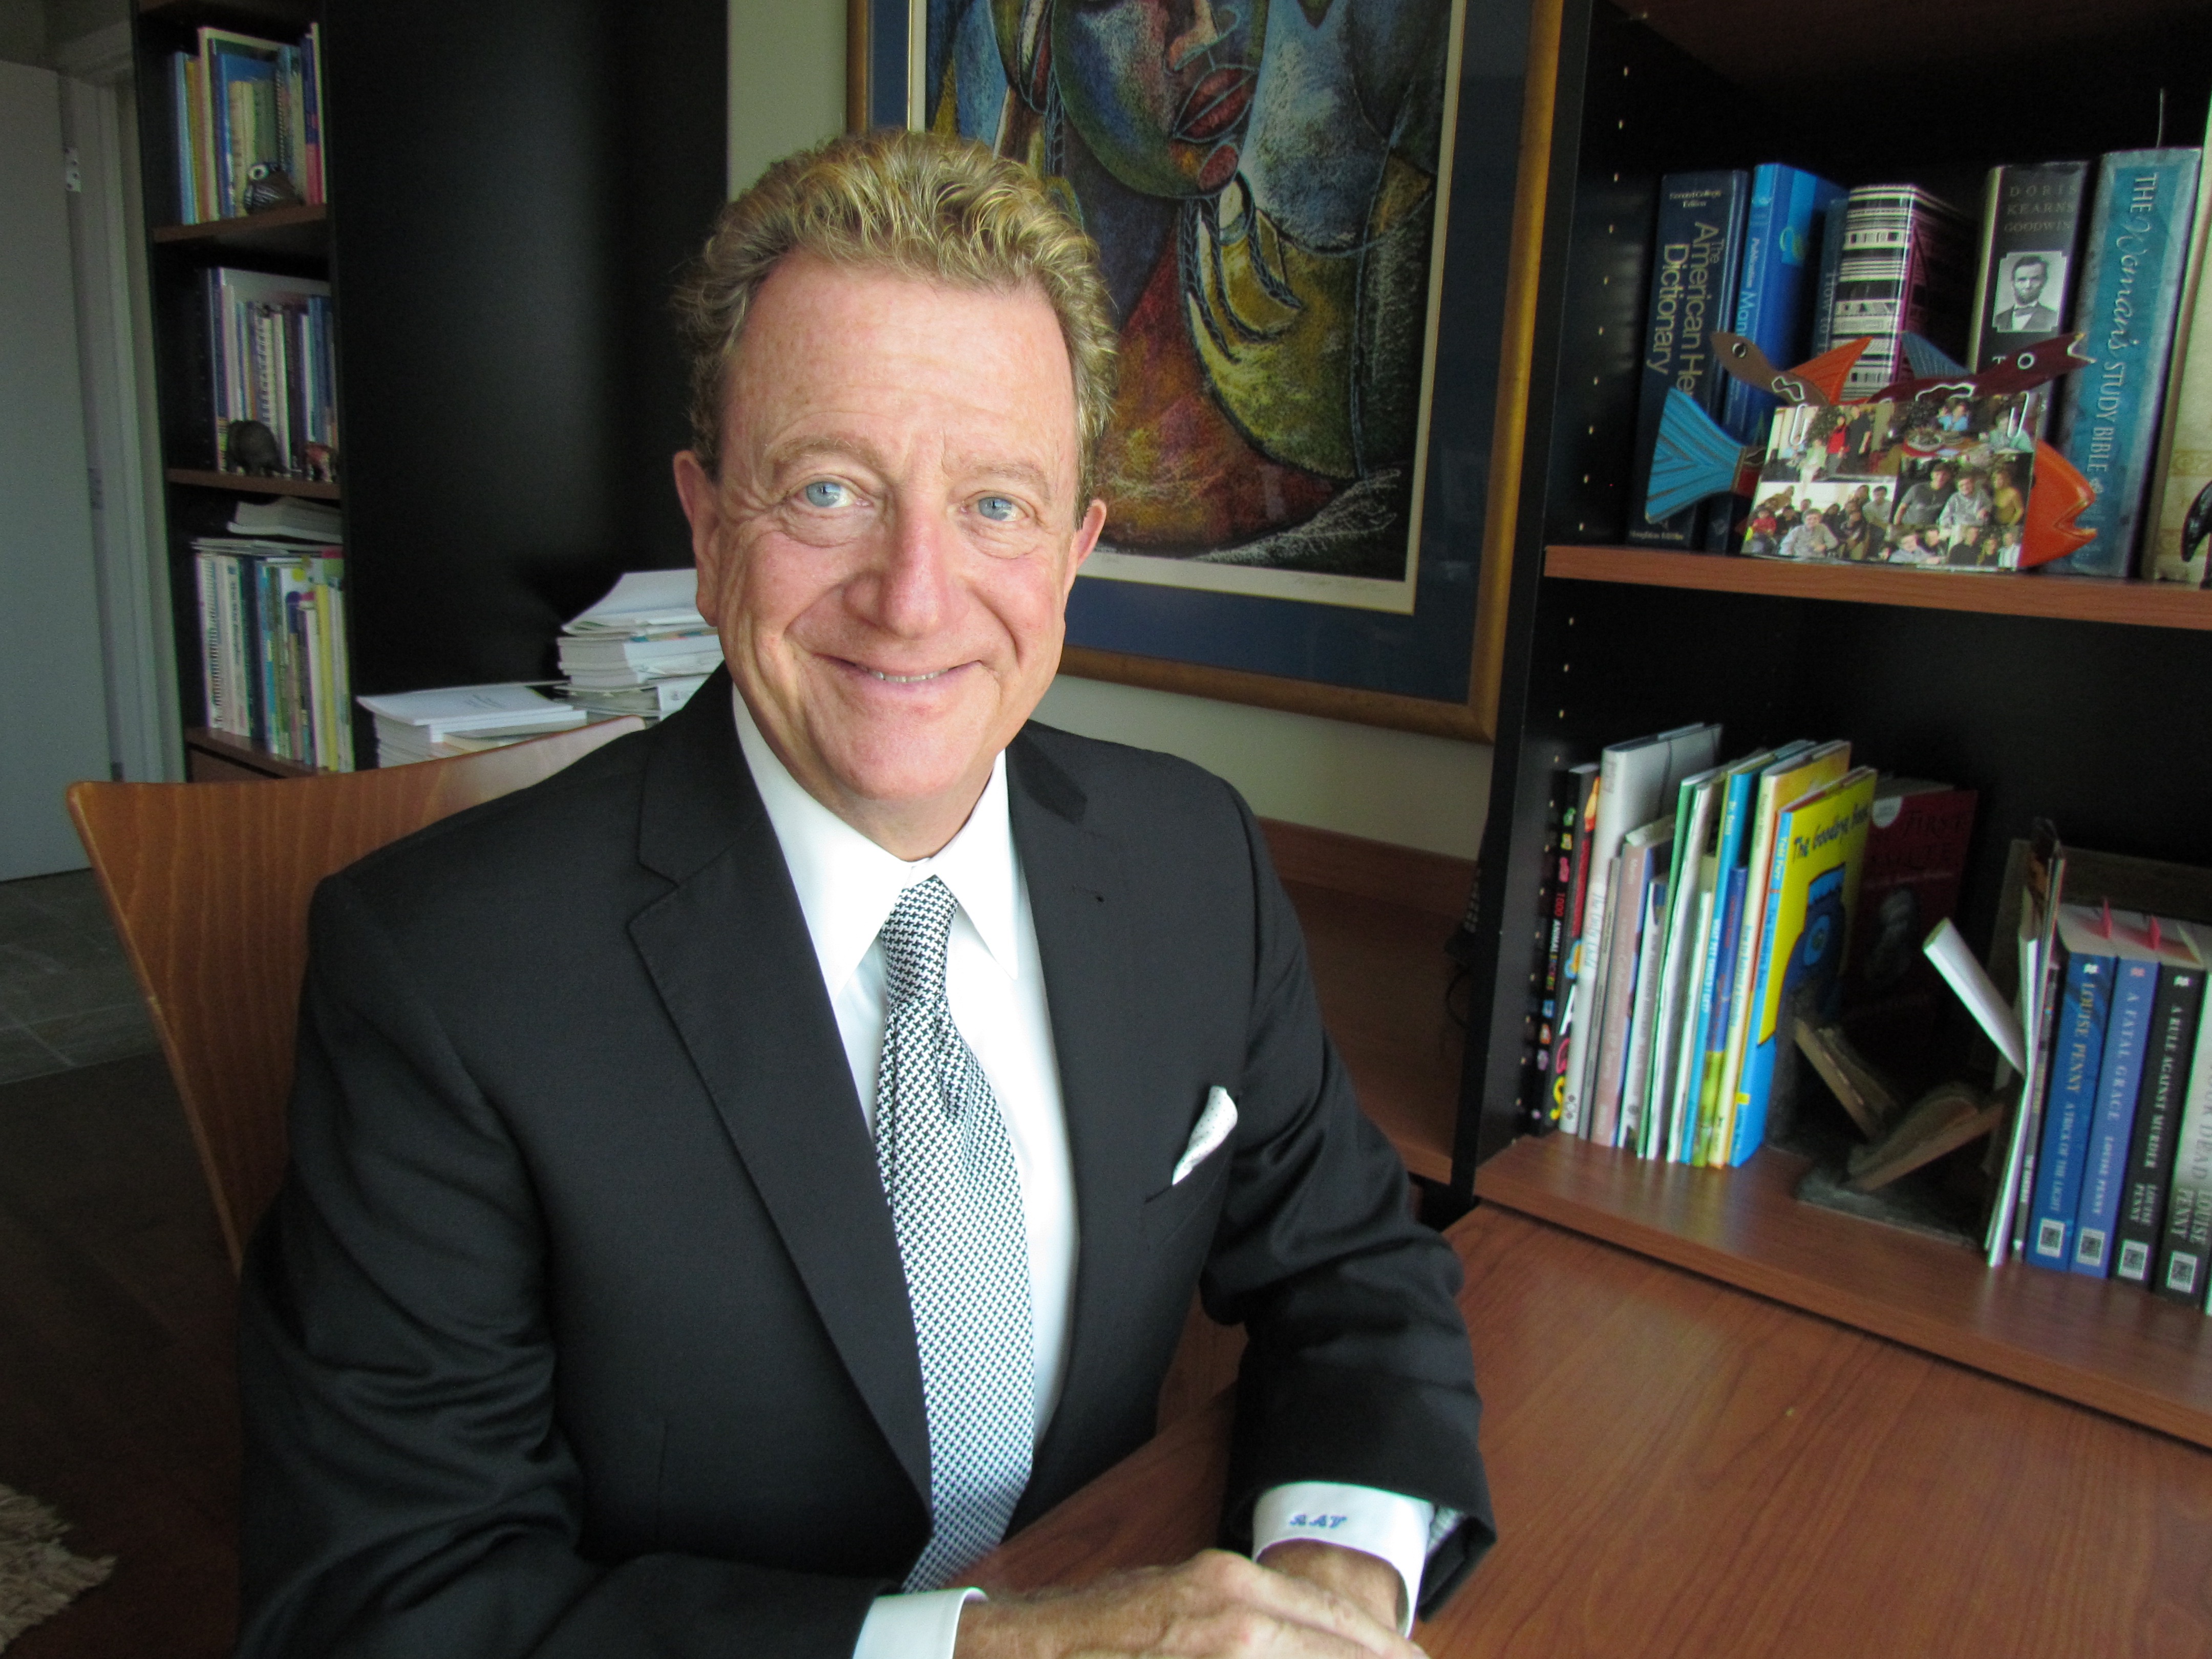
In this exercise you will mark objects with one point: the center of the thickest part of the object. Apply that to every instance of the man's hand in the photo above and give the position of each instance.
(1214, 1605)
(1368, 1581)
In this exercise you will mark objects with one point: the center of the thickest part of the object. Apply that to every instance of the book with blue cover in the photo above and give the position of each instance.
(2143, 952)
(1696, 260)
(1773, 308)
(2137, 247)
(1833, 219)
(2076, 1060)
(1731, 879)
(1773, 303)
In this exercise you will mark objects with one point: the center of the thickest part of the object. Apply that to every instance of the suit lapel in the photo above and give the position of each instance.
(1078, 896)
(729, 952)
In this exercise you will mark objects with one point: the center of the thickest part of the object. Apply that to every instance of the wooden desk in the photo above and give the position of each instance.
(1681, 1468)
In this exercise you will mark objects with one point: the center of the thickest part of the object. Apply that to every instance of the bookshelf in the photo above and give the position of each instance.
(511, 186)
(2072, 699)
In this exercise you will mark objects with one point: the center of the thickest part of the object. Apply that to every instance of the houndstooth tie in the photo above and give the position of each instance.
(956, 1196)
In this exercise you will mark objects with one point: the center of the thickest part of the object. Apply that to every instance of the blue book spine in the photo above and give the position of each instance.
(1714, 1039)
(180, 104)
(1831, 263)
(2104, 1168)
(1774, 298)
(2138, 246)
(1759, 1055)
(2081, 1041)
(1695, 263)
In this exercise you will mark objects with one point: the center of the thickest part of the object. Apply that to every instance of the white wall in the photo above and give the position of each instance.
(787, 90)
(787, 80)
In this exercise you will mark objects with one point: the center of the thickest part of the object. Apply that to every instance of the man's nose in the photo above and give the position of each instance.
(910, 594)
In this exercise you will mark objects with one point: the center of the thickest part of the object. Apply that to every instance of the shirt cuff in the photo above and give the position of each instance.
(921, 1627)
(1392, 1528)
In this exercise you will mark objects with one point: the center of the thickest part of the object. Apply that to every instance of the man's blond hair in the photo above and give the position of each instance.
(941, 209)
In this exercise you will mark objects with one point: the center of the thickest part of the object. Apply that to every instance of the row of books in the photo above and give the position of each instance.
(1693, 909)
(248, 124)
(2109, 1166)
(2114, 249)
(270, 375)
(273, 634)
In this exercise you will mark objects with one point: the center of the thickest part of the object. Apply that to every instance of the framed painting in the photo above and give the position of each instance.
(1319, 221)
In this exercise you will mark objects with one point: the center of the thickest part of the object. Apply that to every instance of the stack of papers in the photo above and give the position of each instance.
(643, 649)
(290, 518)
(463, 719)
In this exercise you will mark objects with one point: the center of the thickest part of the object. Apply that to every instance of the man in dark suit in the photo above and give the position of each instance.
(605, 1308)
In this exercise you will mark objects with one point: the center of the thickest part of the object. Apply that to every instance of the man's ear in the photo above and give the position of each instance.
(1086, 538)
(703, 506)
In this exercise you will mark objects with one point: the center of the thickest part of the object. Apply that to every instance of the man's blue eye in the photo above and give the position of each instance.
(998, 508)
(823, 492)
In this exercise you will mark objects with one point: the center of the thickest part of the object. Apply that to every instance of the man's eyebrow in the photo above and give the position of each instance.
(1012, 470)
(815, 446)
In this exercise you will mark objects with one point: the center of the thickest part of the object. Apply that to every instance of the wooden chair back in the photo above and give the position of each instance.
(209, 884)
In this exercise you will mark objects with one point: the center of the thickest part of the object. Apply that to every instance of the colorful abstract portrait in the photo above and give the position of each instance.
(1261, 177)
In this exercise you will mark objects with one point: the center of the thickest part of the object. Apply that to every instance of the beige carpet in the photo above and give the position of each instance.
(38, 1576)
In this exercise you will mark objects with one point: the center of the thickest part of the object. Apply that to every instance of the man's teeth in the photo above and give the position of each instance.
(907, 679)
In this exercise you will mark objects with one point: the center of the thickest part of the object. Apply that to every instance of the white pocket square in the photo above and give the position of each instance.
(1213, 1127)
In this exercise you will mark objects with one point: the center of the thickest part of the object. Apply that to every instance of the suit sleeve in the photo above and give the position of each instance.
(408, 1488)
(1358, 1370)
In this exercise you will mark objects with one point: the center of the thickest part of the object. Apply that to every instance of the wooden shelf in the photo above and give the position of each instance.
(246, 483)
(2075, 599)
(234, 762)
(2100, 1344)
(1376, 918)
(301, 230)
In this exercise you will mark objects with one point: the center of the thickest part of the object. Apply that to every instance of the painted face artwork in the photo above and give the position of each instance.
(1162, 90)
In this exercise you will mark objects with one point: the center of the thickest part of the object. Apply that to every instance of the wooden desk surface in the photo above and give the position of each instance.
(1682, 1468)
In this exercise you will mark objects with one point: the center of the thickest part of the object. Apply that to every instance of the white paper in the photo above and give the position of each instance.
(644, 599)
(1947, 948)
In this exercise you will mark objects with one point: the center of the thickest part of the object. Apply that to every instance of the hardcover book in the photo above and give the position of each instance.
(1694, 268)
(1773, 305)
(1904, 271)
(2130, 289)
(2030, 240)
(2171, 1047)
(1916, 857)
(1774, 296)
(2180, 517)
(2185, 1247)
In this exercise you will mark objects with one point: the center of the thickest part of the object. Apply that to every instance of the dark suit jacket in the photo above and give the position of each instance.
(578, 1328)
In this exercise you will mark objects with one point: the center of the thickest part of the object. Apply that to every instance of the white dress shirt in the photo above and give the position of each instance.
(994, 982)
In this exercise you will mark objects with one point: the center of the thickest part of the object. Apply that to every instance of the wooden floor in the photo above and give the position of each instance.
(117, 1391)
